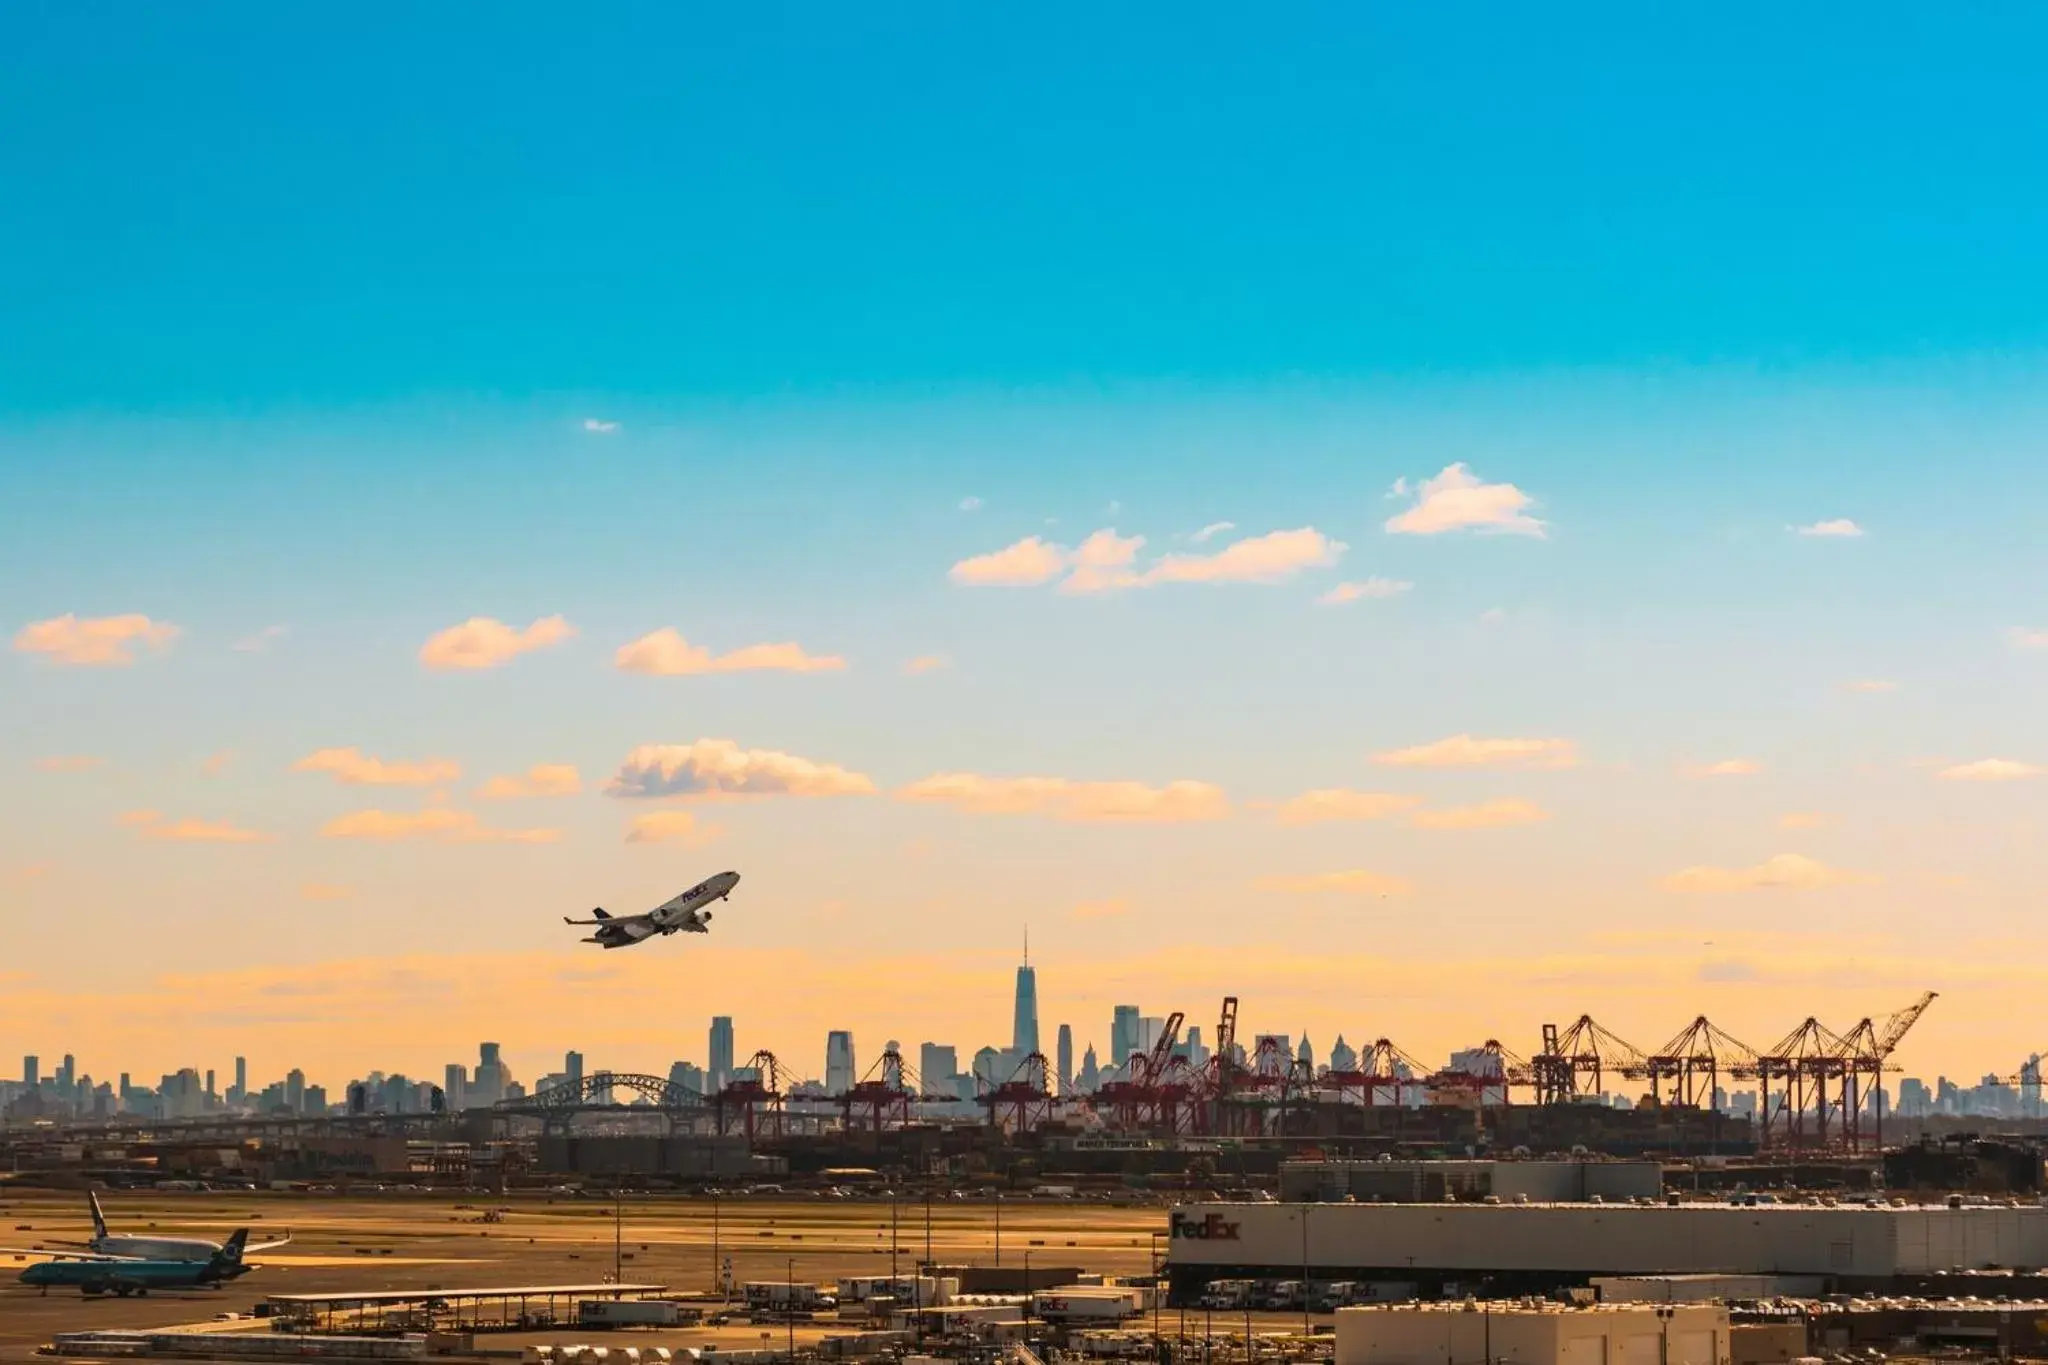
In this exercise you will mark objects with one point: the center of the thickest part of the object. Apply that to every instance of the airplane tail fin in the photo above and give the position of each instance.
(231, 1251)
(99, 1219)
(600, 913)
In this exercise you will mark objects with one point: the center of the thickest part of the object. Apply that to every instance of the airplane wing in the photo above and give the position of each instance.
(255, 1247)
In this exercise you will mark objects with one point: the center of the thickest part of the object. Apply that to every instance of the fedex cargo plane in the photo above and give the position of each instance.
(682, 914)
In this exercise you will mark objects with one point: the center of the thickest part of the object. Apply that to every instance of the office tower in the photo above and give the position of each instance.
(1343, 1057)
(1307, 1055)
(1192, 1049)
(1149, 1029)
(1091, 1074)
(1066, 1059)
(687, 1076)
(572, 1069)
(1123, 1034)
(1271, 1052)
(454, 1087)
(241, 1078)
(839, 1072)
(988, 1067)
(31, 1071)
(67, 1073)
(720, 1067)
(295, 1091)
(209, 1082)
(1024, 1022)
(938, 1067)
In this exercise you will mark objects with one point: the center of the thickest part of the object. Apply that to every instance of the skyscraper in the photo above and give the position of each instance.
(720, 1063)
(1066, 1059)
(1024, 1027)
(572, 1068)
(839, 1072)
(241, 1079)
(1123, 1034)
(454, 1088)
(938, 1067)
(31, 1071)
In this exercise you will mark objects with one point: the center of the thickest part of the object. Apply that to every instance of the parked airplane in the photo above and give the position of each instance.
(125, 1275)
(685, 913)
(156, 1248)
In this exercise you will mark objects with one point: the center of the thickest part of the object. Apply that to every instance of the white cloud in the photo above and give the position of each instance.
(1369, 588)
(1487, 815)
(1130, 803)
(1727, 767)
(1107, 561)
(1841, 528)
(970, 504)
(1214, 528)
(1456, 500)
(436, 824)
(1990, 770)
(1464, 751)
(599, 426)
(926, 663)
(1353, 882)
(353, 768)
(670, 827)
(543, 779)
(1025, 563)
(1337, 803)
(95, 642)
(1493, 616)
(720, 768)
(260, 642)
(1787, 871)
(2020, 637)
(665, 653)
(1102, 562)
(481, 642)
(1270, 558)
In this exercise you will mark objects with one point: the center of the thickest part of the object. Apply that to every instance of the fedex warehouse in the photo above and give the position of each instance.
(1533, 1248)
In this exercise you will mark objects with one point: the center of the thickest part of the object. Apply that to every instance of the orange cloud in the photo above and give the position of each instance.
(321, 891)
(1727, 767)
(543, 779)
(1489, 815)
(1270, 558)
(216, 763)
(1990, 770)
(1463, 751)
(1456, 500)
(95, 642)
(1104, 562)
(925, 663)
(1871, 685)
(719, 767)
(1026, 563)
(665, 653)
(670, 827)
(353, 768)
(1132, 803)
(481, 642)
(1787, 871)
(1355, 882)
(1372, 588)
(1841, 528)
(1337, 803)
(437, 824)
(1802, 819)
(149, 824)
(70, 763)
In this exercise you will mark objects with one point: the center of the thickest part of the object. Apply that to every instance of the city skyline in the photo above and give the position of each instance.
(1427, 537)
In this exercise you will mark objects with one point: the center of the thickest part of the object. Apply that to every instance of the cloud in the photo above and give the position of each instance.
(216, 763)
(96, 642)
(926, 663)
(1786, 871)
(543, 779)
(1463, 751)
(352, 768)
(1355, 882)
(148, 824)
(1487, 815)
(1024, 564)
(1841, 528)
(1270, 558)
(1214, 528)
(437, 824)
(1726, 970)
(970, 503)
(599, 426)
(1990, 770)
(670, 827)
(1802, 819)
(1727, 767)
(1090, 803)
(1493, 616)
(1103, 562)
(259, 642)
(1456, 500)
(321, 891)
(720, 768)
(481, 642)
(70, 763)
(35, 872)
(1371, 588)
(2020, 637)
(1338, 803)
(1104, 909)
(665, 653)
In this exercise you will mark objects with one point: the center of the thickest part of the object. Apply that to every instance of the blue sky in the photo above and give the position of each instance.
(306, 327)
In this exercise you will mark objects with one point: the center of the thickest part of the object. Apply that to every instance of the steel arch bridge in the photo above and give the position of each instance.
(597, 1093)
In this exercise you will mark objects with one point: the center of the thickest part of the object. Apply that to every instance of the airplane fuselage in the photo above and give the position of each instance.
(686, 913)
(124, 1277)
(157, 1248)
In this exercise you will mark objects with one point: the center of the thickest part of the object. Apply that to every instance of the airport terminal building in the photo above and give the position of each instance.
(1430, 1250)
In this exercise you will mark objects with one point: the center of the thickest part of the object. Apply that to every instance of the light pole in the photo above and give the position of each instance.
(1304, 1273)
(999, 1227)
(892, 1241)
(1027, 1291)
(717, 1261)
(618, 1235)
(789, 1305)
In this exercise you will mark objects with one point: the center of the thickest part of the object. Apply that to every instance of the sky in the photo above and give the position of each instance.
(1431, 522)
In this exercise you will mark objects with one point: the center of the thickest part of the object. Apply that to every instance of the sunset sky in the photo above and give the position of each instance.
(1430, 523)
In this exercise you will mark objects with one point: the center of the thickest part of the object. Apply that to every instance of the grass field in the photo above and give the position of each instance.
(420, 1241)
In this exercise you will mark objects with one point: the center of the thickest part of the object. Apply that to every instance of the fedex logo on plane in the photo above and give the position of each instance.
(1213, 1228)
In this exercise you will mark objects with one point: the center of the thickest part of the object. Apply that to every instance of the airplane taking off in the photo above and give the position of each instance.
(108, 1244)
(684, 914)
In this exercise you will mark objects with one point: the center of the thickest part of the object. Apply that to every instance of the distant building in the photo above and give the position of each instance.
(1065, 1061)
(1091, 1074)
(1123, 1034)
(719, 1064)
(840, 1073)
(938, 1068)
(1149, 1029)
(572, 1067)
(1271, 1052)
(1306, 1055)
(1024, 1019)
(1343, 1056)
(987, 1065)
(686, 1076)
(455, 1087)
(31, 1071)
